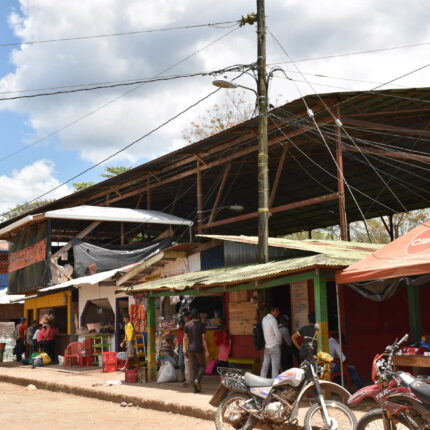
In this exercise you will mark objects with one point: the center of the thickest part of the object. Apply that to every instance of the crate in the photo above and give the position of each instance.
(109, 367)
(131, 376)
(109, 358)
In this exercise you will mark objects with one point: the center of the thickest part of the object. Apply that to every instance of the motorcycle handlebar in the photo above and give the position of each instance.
(403, 340)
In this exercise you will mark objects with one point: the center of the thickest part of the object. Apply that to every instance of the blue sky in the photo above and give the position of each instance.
(305, 29)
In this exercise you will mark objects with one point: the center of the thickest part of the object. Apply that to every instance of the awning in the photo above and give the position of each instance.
(100, 213)
(241, 274)
(407, 256)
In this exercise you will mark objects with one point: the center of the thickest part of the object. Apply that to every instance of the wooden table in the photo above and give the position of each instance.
(414, 361)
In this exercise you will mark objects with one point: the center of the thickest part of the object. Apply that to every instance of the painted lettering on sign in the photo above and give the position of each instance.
(28, 256)
(420, 243)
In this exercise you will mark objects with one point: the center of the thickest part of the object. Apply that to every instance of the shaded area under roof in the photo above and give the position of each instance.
(389, 126)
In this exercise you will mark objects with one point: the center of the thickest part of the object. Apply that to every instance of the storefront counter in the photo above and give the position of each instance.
(417, 362)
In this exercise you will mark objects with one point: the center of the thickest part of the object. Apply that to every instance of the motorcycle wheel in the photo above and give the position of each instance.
(374, 420)
(228, 407)
(344, 416)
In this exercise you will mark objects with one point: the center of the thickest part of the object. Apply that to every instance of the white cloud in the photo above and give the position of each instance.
(28, 183)
(305, 29)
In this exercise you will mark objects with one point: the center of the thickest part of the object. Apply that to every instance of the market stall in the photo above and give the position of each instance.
(397, 273)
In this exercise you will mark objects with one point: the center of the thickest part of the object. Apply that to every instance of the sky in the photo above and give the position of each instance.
(59, 136)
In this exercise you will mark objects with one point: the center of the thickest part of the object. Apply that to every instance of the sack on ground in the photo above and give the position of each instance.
(61, 360)
(258, 336)
(46, 359)
(167, 373)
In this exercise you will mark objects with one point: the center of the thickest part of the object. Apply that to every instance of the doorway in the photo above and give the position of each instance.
(121, 309)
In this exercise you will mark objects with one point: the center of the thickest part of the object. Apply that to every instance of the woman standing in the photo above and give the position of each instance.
(50, 340)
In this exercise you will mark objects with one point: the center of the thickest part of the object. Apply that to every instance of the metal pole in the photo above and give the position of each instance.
(263, 165)
(343, 222)
(339, 327)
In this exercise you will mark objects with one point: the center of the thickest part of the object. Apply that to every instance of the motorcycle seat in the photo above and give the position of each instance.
(254, 381)
(421, 390)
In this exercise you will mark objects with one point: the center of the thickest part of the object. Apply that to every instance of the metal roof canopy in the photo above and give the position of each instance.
(99, 213)
(307, 187)
(330, 255)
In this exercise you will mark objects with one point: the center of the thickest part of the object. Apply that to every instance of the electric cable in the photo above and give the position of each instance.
(101, 107)
(127, 33)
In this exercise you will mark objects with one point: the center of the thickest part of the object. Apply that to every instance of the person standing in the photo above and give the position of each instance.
(128, 341)
(21, 330)
(196, 349)
(180, 343)
(41, 337)
(186, 316)
(299, 337)
(30, 333)
(273, 342)
(286, 348)
(51, 332)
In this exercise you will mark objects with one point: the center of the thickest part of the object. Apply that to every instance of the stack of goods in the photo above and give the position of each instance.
(7, 337)
(109, 362)
(138, 317)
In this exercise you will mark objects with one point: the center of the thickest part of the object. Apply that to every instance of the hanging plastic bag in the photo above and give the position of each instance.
(60, 360)
(167, 373)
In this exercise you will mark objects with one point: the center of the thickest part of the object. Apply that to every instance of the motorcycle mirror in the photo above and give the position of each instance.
(317, 327)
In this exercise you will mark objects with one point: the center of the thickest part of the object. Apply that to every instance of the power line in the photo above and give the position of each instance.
(127, 33)
(88, 114)
(124, 148)
(145, 81)
(347, 54)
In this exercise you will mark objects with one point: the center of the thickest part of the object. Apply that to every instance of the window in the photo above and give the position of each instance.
(58, 315)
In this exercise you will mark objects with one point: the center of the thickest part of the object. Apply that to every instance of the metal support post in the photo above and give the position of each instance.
(343, 222)
(414, 313)
(150, 321)
(321, 312)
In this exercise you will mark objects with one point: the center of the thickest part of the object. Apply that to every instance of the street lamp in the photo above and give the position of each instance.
(221, 83)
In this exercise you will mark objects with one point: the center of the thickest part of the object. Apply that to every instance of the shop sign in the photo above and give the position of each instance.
(28, 256)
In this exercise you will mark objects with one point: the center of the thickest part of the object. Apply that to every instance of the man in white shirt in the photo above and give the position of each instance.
(339, 357)
(273, 342)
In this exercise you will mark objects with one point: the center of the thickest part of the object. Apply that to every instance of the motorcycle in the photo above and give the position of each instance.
(404, 400)
(243, 399)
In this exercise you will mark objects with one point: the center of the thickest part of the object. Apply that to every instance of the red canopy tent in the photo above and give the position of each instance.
(408, 255)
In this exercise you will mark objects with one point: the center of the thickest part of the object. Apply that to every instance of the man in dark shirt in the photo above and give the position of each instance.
(299, 337)
(195, 348)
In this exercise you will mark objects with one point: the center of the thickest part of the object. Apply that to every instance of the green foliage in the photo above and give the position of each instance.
(110, 172)
(23, 209)
(78, 186)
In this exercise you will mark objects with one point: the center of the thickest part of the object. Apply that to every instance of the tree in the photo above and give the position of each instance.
(234, 110)
(78, 186)
(110, 172)
(23, 209)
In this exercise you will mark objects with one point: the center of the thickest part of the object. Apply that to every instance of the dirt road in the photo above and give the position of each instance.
(21, 408)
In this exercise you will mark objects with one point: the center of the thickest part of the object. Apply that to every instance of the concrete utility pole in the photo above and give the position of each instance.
(263, 154)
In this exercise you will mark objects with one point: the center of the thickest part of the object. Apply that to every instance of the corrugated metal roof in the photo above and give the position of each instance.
(338, 248)
(101, 213)
(242, 274)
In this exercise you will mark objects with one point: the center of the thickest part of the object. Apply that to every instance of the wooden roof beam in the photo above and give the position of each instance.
(386, 127)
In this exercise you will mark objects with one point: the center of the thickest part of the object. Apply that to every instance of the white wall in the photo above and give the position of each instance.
(93, 292)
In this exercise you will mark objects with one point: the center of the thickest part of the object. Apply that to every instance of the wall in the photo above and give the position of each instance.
(48, 301)
(9, 312)
(370, 326)
(93, 292)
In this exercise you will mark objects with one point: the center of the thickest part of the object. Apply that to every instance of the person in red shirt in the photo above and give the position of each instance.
(41, 337)
(51, 332)
(21, 331)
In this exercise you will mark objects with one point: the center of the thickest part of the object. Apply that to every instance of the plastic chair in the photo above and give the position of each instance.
(73, 354)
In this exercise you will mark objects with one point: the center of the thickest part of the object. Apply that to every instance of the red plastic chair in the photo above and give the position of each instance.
(73, 354)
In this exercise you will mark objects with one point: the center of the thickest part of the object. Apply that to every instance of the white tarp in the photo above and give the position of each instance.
(101, 213)
(6, 299)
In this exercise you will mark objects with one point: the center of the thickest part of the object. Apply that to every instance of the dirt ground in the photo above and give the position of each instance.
(21, 408)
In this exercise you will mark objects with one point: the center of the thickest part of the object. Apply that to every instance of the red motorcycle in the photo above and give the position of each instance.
(403, 399)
